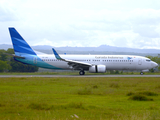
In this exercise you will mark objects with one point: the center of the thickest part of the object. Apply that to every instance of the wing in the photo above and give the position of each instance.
(74, 64)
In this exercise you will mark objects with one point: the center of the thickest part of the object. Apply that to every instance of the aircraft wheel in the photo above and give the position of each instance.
(81, 72)
(141, 73)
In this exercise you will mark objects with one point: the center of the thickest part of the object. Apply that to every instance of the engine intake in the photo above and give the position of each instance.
(97, 69)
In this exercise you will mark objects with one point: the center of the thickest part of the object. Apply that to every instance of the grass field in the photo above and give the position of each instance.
(79, 98)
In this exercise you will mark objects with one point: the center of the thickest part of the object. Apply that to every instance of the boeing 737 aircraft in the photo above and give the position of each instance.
(92, 63)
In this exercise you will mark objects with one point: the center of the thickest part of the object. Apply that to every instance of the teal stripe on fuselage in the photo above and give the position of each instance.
(35, 61)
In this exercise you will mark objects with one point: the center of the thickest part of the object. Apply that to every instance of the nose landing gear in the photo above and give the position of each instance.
(141, 73)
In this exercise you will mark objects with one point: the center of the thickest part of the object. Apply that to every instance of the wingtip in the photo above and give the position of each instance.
(56, 54)
(54, 51)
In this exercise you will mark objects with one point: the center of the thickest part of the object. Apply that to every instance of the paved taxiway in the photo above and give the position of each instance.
(52, 76)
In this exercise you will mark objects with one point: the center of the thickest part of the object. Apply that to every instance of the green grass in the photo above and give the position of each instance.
(79, 98)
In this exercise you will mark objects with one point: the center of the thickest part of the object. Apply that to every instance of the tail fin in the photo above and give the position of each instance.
(19, 44)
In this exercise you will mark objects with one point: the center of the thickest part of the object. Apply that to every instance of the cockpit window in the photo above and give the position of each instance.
(148, 60)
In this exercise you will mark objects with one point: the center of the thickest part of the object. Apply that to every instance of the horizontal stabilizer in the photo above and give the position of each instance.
(15, 56)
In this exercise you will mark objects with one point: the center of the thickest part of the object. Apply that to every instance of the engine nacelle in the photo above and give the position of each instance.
(97, 69)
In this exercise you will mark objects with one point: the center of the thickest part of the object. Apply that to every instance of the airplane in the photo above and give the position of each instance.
(92, 63)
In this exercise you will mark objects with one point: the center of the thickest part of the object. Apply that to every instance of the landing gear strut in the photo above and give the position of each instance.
(81, 72)
(141, 73)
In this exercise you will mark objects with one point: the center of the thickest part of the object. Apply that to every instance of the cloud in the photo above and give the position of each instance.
(6, 15)
(83, 23)
(146, 31)
(121, 42)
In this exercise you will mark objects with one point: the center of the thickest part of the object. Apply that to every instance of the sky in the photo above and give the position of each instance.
(83, 23)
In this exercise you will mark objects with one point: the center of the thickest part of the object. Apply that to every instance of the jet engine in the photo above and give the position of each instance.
(97, 69)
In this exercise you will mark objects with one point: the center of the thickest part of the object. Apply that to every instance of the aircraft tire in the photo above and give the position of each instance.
(141, 73)
(81, 72)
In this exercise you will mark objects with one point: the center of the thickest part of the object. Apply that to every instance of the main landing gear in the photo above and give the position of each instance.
(141, 73)
(81, 72)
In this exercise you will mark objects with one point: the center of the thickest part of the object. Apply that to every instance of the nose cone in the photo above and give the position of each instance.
(154, 64)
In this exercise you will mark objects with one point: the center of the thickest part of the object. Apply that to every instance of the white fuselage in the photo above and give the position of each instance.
(112, 62)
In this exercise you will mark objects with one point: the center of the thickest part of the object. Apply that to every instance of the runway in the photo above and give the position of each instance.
(52, 76)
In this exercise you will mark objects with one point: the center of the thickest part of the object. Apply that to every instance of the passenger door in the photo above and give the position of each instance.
(35, 60)
(140, 61)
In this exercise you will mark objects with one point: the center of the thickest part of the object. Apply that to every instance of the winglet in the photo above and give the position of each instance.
(56, 54)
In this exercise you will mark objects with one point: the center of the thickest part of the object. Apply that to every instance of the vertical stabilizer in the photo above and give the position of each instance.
(19, 44)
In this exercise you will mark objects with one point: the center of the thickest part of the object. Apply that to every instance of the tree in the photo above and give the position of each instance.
(3, 56)
(10, 51)
(4, 66)
(155, 59)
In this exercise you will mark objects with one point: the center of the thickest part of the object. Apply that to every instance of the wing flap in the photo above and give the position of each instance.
(78, 63)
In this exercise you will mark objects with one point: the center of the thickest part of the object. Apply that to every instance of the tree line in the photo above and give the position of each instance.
(8, 64)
